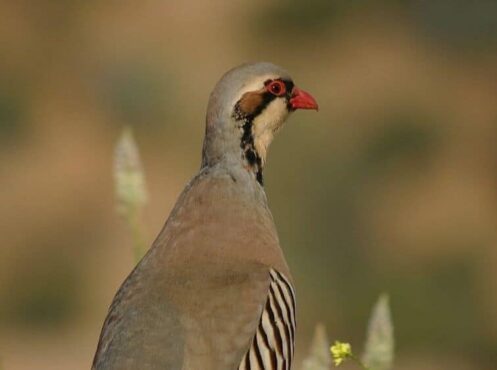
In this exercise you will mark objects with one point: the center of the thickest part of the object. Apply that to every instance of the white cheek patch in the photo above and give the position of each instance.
(267, 123)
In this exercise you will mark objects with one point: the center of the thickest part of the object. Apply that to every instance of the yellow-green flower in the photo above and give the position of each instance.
(340, 352)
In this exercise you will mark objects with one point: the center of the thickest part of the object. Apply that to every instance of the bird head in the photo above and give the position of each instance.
(246, 108)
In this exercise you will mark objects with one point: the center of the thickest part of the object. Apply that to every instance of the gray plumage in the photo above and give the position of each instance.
(198, 297)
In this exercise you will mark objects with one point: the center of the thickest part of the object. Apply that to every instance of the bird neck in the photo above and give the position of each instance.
(233, 144)
(251, 157)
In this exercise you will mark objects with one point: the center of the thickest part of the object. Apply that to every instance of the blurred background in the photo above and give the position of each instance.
(391, 187)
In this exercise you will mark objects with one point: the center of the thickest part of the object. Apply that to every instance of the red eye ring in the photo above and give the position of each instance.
(276, 87)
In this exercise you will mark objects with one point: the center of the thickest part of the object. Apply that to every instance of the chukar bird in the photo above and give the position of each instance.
(214, 291)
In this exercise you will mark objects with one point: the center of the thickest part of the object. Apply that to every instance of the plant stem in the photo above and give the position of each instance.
(133, 221)
(359, 362)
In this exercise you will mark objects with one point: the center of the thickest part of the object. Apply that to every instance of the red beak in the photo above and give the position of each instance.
(302, 100)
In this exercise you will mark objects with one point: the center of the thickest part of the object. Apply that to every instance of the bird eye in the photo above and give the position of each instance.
(277, 88)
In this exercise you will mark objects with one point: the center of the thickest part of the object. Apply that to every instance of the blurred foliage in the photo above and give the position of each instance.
(138, 93)
(446, 288)
(401, 138)
(12, 110)
(471, 24)
(44, 293)
(299, 17)
(130, 188)
(318, 357)
(380, 343)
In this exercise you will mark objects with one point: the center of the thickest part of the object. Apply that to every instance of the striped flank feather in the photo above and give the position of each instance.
(273, 344)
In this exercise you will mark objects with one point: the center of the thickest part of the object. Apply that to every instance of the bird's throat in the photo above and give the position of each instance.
(252, 159)
(259, 116)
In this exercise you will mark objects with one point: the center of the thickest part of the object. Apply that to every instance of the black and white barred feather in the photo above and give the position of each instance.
(272, 347)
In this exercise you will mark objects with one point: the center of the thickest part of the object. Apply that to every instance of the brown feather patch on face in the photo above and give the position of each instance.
(250, 101)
